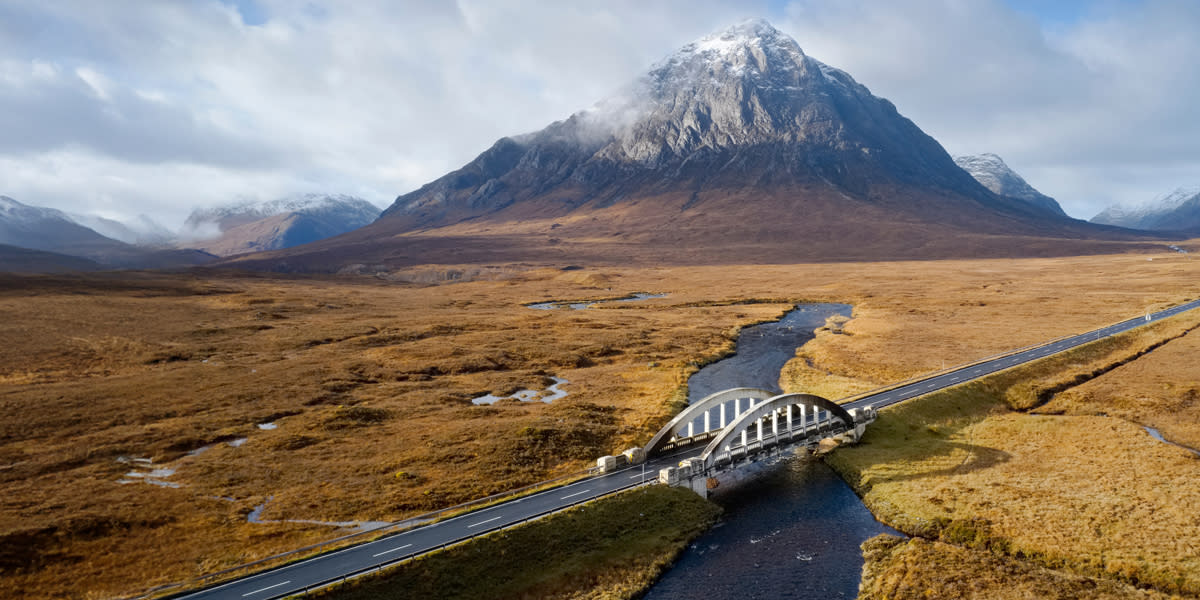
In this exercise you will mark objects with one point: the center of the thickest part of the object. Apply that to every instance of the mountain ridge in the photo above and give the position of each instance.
(738, 145)
(995, 175)
(1178, 210)
(747, 98)
(52, 230)
(253, 226)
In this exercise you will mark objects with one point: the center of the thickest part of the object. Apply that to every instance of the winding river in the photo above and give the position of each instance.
(790, 529)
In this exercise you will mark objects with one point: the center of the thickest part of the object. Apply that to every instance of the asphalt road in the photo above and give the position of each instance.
(299, 576)
(316, 571)
(925, 386)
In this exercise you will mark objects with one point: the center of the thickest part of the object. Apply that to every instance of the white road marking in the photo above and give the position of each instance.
(390, 551)
(575, 494)
(266, 588)
(482, 522)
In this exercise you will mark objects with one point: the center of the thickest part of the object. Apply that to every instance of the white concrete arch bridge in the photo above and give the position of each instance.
(741, 425)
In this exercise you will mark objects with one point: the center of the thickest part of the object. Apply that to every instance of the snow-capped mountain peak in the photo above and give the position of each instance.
(15, 212)
(1175, 199)
(995, 175)
(341, 206)
(252, 226)
(742, 107)
(1175, 211)
(742, 37)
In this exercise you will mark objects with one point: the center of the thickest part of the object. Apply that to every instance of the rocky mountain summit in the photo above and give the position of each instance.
(41, 228)
(737, 147)
(991, 171)
(1176, 211)
(274, 224)
(742, 107)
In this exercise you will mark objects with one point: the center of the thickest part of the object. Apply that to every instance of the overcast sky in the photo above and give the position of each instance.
(126, 107)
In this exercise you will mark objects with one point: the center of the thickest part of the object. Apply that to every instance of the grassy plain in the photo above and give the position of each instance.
(920, 569)
(1160, 390)
(368, 382)
(613, 548)
(1090, 495)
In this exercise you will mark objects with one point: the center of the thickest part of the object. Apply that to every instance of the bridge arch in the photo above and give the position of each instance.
(773, 408)
(684, 419)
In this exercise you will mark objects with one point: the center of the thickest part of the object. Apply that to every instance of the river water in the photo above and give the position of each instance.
(790, 529)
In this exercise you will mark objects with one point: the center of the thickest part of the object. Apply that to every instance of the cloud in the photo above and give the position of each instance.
(183, 104)
(44, 108)
(1093, 112)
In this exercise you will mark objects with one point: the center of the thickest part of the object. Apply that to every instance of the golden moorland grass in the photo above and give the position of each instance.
(918, 569)
(611, 548)
(1091, 495)
(368, 383)
(1160, 390)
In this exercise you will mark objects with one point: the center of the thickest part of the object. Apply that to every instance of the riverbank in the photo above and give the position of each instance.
(614, 547)
(1087, 497)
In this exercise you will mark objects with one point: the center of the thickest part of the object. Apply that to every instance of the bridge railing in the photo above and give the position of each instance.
(173, 590)
(825, 428)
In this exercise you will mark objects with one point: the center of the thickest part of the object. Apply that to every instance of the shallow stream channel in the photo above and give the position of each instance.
(791, 529)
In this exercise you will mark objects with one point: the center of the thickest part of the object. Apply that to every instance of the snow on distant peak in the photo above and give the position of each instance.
(1158, 204)
(1176, 198)
(994, 174)
(735, 37)
(209, 223)
(16, 212)
(744, 35)
(1177, 210)
(306, 202)
(298, 203)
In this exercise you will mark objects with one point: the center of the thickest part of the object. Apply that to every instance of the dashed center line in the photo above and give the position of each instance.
(482, 522)
(391, 551)
(575, 494)
(266, 588)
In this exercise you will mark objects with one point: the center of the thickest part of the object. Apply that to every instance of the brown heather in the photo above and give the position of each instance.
(369, 381)
(921, 569)
(1093, 497)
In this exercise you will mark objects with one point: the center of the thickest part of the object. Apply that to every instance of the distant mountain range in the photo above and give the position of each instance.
(142, 231)
(14, 259)
(1176, 211)
(53, 231)
(738, 147)
(272, 225)
(34, 238)
(991, 171)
